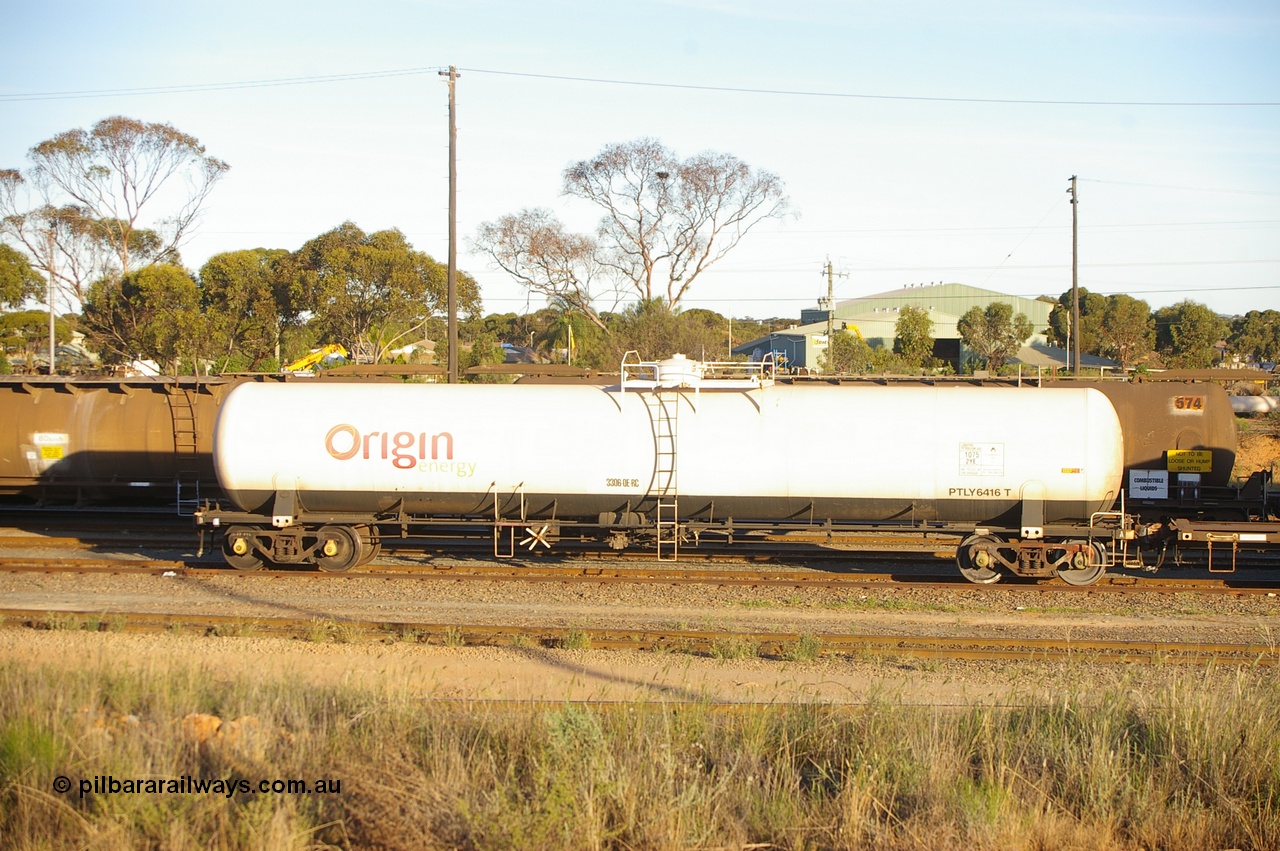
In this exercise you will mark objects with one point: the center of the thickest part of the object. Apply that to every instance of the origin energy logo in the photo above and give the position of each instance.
(405, 450)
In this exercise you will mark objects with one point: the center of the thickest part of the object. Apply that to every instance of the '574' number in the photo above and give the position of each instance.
(1188, 403)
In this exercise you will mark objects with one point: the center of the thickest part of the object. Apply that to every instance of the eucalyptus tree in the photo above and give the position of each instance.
(652, 329)
(1188, 333)
(373, 292)
(533, 247)
(1128, 329)
(994, 332)
(665, 221)
(913, 337)
(153, 312)
(78, 210)
(849, 354)
(26, 332)
(1093, 307)
(1257, 334)
(249, 303)
(18, 281)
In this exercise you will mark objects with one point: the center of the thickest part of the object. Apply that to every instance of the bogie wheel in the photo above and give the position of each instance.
(370, 545)
(238, 548)
(1087, 565)
(976, 564)
(337, 548)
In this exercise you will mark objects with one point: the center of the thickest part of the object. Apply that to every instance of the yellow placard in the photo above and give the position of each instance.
(52, 453)
(1189, 461)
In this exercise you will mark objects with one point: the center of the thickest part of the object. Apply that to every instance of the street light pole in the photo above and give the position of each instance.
(1075, 280)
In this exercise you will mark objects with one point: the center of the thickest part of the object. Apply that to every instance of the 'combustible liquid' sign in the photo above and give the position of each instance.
(1148, 484)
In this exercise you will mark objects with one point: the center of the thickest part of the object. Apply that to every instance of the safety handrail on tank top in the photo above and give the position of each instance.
(728, 375)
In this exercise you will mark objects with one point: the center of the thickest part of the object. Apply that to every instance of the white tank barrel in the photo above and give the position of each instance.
(779, 451)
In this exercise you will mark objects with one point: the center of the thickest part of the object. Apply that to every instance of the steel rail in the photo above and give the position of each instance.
(761, 549)
(915, 546)
(720, 644)
(765, 551)
(561, 573)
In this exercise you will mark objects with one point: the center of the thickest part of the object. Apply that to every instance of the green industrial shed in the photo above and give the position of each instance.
(875, 317)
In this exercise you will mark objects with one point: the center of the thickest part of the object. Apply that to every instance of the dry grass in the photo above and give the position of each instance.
(1188, 767)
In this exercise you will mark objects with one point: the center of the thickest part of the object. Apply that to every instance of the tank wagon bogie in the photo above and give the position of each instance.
(333, 547)
(668, 456)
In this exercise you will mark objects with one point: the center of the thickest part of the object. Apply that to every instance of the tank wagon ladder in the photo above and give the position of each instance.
(660, 391)
(663, 386)
(183, 415)
(664, 413)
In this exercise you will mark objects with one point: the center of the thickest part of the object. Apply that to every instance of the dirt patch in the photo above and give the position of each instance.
(1256, 450)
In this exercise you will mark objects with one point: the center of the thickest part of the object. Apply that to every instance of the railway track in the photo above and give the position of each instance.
(907, 559)
(762, 549)
(718, 644)
(588, 571)
(104, 530)
(161, 530)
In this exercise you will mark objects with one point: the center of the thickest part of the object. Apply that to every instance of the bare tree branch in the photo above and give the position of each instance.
(108, 176)
(665, 220)
(533, 247)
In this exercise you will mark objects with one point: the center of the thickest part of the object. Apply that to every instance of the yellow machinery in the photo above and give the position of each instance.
(307, 362)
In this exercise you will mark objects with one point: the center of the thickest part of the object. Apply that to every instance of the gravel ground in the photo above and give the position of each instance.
(963, 611)
(437, 598)
(542, 674)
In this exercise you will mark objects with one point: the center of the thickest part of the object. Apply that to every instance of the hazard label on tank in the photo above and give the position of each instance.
(982, 459)
(1189, 461)
(52, 445)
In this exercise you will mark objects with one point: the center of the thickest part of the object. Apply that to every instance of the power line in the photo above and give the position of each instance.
(1015, 229)
(1020, 228)
(783, 300)
(1056, 204)
(924, 270)
(864, 96)
(402, 72)
(1179, 188)
(215, 87)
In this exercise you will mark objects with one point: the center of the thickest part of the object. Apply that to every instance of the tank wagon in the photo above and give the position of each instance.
(677, 451)
(138, 441)
(133, 441)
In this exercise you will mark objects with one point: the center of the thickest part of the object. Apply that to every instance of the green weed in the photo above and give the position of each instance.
(575, 639)
(734, 648)
(806, 649)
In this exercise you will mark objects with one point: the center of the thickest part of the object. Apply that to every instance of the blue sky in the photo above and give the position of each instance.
(879, 116)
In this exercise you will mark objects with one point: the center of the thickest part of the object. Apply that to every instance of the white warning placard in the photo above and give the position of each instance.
(1148, 484)
(982, 459)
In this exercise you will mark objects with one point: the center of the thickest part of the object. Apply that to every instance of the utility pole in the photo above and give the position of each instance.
(1075, 281)
(453, 75)
(831, 309)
